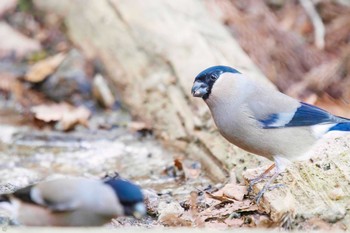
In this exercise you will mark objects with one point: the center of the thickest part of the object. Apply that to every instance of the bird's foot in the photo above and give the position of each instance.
(267, 187)
(256, 180)
(261, 177)
(280, 166)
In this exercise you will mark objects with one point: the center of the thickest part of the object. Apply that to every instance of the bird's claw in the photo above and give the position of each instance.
(266, 187)
(254, 181)
(258, 197)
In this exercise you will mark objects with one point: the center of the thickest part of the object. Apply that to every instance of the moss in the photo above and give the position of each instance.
(26, 5)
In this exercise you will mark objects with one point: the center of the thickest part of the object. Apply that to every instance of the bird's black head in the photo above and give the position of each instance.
(129, 195)
(205, 80)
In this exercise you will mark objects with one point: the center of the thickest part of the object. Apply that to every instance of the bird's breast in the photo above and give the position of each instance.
(238, 128)
(241, 129)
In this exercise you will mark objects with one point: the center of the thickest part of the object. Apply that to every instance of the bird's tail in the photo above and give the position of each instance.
(4, 198)
(8, 211)
(344, 126)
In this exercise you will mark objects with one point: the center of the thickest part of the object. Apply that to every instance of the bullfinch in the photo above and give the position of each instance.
(75, 201)
(262, 120)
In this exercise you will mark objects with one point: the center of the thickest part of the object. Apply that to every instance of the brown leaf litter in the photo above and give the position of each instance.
(66, 115)
(225, 208)
(42, 69)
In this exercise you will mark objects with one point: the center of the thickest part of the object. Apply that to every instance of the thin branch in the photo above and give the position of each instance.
(316, 21)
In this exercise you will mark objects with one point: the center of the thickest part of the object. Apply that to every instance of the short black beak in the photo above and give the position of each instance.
(199, 89)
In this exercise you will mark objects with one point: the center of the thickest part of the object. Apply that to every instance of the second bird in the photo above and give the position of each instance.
(74, 201)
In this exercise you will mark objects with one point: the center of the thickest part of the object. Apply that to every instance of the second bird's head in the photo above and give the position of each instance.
(130, 196)
(205, 80)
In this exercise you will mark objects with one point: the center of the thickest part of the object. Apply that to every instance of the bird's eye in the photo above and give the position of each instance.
(213, 77)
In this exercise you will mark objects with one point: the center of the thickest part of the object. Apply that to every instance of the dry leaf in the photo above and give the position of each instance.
(42, 69)
(66, 115)
(176, 170)
(172, 214)
(48, 113)
(226, 209)
(75, 116)
(11, 86)
(236, 192)
(247, 206)
(223, 204)
(235, 222)
(219, 196)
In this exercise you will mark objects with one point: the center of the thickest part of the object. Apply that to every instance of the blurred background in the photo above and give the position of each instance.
(301, 46)
(90, 87)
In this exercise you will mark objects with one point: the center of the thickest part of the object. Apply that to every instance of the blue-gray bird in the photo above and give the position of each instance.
(262, 120)
(75, 201)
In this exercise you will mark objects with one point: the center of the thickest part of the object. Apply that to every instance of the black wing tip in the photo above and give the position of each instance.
(24, 194)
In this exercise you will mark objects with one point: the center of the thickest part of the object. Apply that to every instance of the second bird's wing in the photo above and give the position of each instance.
(57, 195)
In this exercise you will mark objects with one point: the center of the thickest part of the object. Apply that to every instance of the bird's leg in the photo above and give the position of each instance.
(280, 164)
(262, 176)
(266, 187)
(272, 187)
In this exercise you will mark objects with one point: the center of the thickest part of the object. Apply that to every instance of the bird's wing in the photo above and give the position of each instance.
(304, 115)
(24, 194)
(68, 203)
(59, 195)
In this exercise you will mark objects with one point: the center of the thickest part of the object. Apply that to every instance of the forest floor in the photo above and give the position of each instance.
(60, 117)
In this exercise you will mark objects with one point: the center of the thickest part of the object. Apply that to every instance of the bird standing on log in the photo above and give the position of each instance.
(262, 120)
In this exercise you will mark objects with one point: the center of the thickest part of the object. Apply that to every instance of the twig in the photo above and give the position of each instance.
(316, 21)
